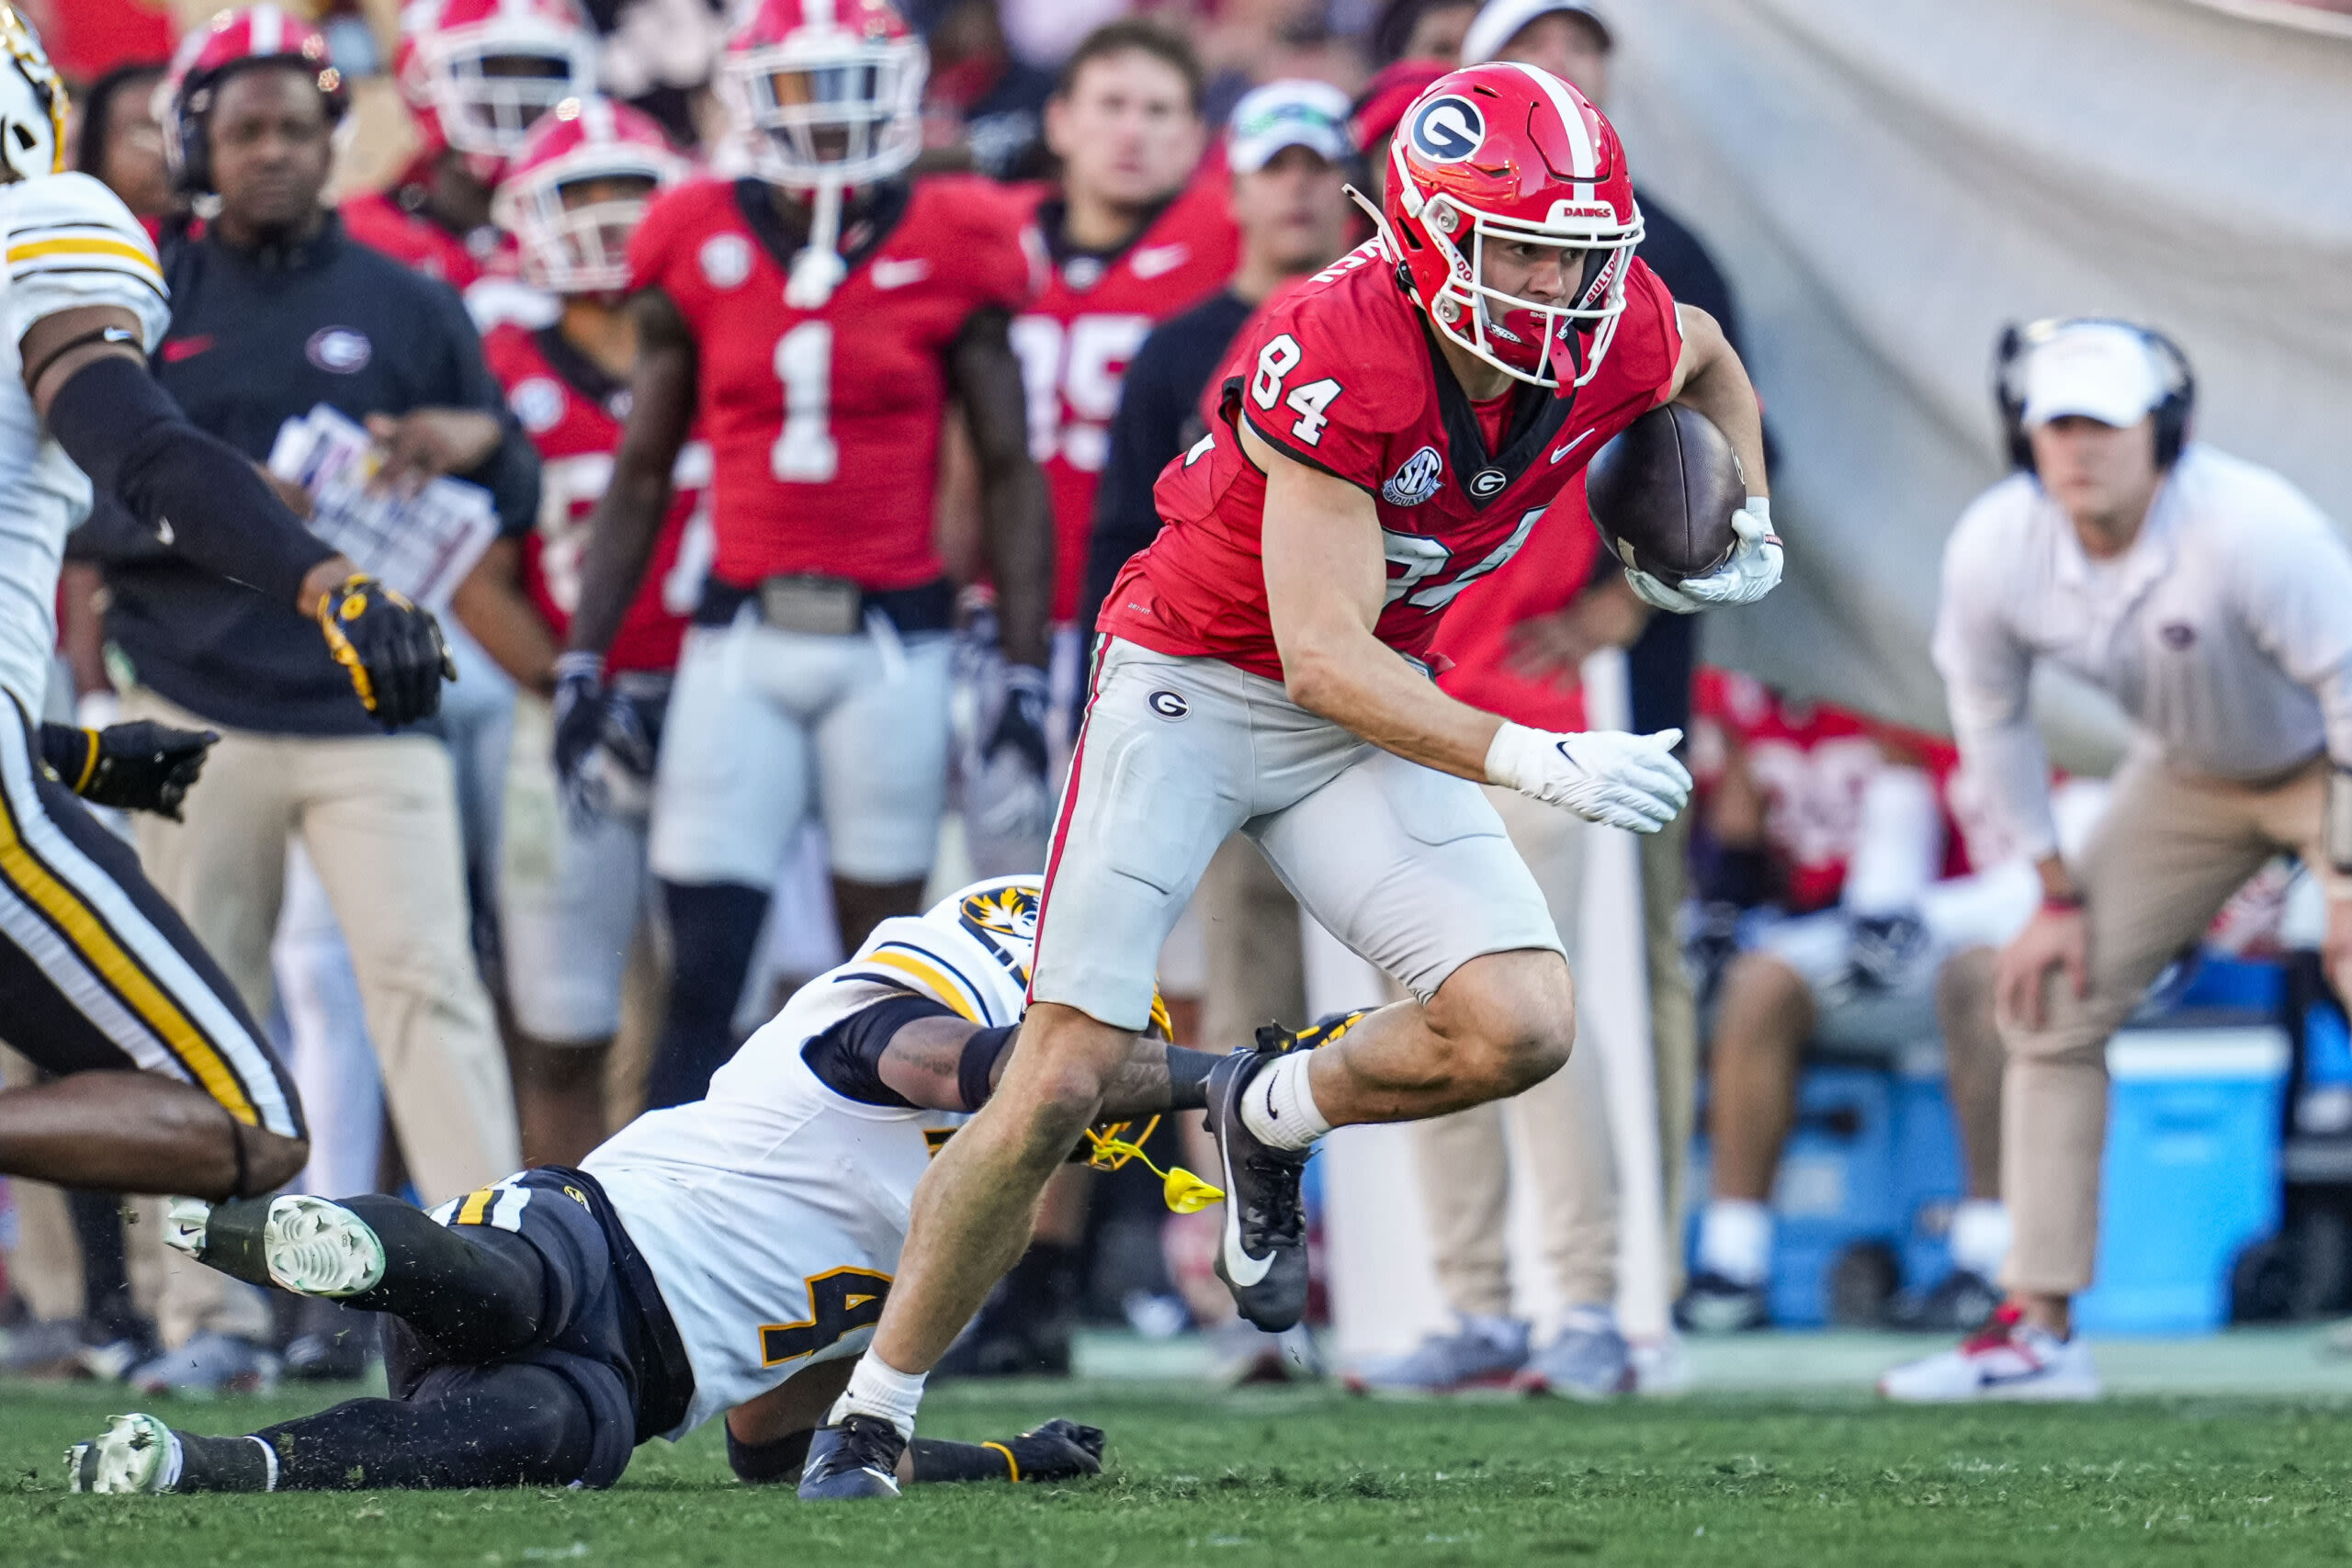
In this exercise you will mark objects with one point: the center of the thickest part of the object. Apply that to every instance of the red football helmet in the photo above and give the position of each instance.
(1510, 154)
(830, 91)
(478, 73)
(574, 239)
(211, 54)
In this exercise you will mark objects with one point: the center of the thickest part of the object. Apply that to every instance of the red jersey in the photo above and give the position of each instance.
(1076, 338)
(379, 221)
(825, 423)
(572, 411)
(1343, 376)
(1474, 640)
(1810, 761)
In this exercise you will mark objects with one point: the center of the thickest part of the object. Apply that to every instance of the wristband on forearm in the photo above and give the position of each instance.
(72, 754)
(936, 1459)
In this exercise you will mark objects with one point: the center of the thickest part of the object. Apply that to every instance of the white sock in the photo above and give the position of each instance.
(1980, 1236)
(1735, 1240)
(1278, 1106)
(877, 1388)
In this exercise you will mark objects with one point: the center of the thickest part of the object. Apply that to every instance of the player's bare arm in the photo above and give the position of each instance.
(490, 605)
(1016, 510)
(1709, 378)
(1326, 582)
(628, 520)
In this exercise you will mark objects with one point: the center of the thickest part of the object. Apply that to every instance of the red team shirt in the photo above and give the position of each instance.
(379, 221)
(1077, 336)
(1341, 376)
(577, 431)
(1474, 641)
(825, 423)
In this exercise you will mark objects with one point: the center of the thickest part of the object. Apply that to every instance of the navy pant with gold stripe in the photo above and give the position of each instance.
(97, 972)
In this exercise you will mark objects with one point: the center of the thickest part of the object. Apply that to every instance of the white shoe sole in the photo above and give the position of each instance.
(318, 1248)
(131, 1455)
(2054, 1392)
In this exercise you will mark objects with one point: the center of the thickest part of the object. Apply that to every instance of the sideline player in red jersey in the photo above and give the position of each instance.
(1133, 238)
(572, 879)
(1404, 419)
(819, 316)
(476, 74)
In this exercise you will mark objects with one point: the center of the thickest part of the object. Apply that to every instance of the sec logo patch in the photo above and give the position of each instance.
(339, 351)
(726, 260)
(1416, 480)
(538, 404)
(1448, 129)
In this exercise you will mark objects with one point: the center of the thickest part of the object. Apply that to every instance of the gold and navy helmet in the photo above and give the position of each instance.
(33, 102)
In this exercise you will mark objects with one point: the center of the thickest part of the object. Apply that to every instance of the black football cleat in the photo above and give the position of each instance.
(1262, 1256)
(1061, 1449)
(857, 1457)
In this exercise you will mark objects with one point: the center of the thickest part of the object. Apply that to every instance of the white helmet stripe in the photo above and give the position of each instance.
(818, 13)
(599, 117)
(268, 29)
(1587, 157)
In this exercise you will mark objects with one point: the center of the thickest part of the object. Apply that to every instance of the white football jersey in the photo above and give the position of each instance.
(65, 241)
(771, 1212)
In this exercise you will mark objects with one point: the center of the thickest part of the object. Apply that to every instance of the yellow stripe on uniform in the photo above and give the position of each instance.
(88, 936)
(476, 1205)
(1010, 1463)
(118, 250)
(938, 984)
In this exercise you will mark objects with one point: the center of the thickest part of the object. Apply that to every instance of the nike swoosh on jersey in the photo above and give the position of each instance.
(179, 348)
(1151, 262)
(1560, 452)
(1240, 1267)
(889, 274)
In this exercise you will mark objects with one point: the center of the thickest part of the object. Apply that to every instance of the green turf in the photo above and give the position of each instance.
(1313, 1478)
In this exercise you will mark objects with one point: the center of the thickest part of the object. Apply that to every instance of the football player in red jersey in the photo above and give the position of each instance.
(572, 882)
(817, 316)
(1404, 419)
(1133, 238)
(476, 75)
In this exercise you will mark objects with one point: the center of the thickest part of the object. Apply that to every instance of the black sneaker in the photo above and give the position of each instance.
(1262, 1254)
(1714, 1304)
(1961, 1302)
(857, 1458)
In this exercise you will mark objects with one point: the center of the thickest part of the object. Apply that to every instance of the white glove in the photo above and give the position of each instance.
(1750, 573)
(1619, 781)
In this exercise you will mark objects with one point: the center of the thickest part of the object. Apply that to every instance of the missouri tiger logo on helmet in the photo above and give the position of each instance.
(32, 103)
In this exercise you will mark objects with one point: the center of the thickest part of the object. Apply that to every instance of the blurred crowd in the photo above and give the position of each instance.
(626, 838)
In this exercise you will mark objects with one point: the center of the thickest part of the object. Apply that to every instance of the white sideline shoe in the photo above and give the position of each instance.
(2011, 1360)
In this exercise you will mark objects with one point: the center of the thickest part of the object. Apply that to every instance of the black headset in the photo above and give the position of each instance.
(194, 108)
(2020, 342)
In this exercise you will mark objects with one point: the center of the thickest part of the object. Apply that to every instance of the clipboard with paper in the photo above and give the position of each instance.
(422, 545)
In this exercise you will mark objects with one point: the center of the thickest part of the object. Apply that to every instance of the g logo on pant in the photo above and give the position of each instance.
(1168, 704)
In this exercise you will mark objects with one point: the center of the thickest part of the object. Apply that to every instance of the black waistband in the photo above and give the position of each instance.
(926, 607)
(665, 1377)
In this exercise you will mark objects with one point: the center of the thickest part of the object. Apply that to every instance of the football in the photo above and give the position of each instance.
(1662, 492)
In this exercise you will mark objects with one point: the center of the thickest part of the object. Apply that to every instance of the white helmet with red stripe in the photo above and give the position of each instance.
(478, 73)
(1509, 155)
(577, 190)
(830, 91)
(213, 51)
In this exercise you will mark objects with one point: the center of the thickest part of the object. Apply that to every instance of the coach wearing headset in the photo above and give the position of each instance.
(2213, 601)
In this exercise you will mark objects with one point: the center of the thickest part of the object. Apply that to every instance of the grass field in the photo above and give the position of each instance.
(1308, 1477)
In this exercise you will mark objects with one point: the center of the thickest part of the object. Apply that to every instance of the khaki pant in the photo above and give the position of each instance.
(380, 818)
(1674, 1023)
(1250, 951)
(1559, 1130)
(2167, 856)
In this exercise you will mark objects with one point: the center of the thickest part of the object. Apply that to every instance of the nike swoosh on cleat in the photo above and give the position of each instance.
(1241, 1268)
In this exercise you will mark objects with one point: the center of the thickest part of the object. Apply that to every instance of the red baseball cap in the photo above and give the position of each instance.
(1387, 97)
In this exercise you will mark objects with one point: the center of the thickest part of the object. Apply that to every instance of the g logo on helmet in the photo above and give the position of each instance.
(1448, 129)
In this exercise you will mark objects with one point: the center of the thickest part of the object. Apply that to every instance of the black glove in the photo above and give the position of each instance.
(131, 767)
(1881, 948)
(1059, 1451)
(588, 715)
(392, 649)
(1021, 723)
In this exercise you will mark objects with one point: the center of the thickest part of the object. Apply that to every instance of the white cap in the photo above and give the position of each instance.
(1313, 115)
(1499, 21)
(2099, 370)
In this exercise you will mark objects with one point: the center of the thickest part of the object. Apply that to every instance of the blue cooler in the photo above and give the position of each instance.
(1837, 1186)
(2191, 1174)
